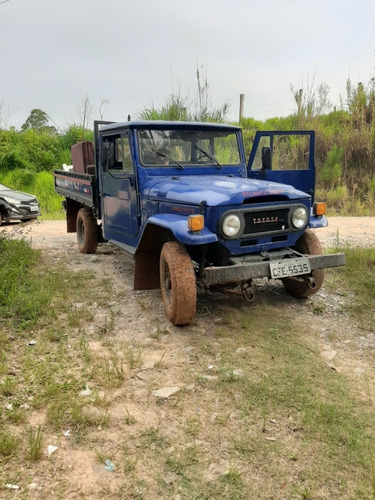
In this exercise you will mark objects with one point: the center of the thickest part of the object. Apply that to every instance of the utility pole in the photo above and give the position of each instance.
(242, 105)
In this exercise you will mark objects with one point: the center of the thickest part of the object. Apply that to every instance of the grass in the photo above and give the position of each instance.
(34, 443)
(259, 413)
(357, 280)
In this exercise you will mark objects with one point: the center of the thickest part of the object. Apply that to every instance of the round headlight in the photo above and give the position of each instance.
(299, 217)
(231, 225)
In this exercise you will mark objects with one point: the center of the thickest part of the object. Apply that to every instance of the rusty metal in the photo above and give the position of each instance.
(248, 293)
(246, 271)
(311, 283)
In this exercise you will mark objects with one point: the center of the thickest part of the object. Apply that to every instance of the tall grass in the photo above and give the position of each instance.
(28, 159)
(24, 293)
(344, 153)
(358, 278)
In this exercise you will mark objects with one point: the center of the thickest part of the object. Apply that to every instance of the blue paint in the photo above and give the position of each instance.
(159, 173)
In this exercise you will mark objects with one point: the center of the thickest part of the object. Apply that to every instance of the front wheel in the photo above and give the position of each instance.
(177, 283)
(87, 231)
(308, 244)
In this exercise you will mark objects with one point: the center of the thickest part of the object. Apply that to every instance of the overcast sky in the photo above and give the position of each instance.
(134, 54)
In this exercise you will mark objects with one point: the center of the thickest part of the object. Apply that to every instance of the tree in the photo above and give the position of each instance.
(38, 120)
(85, 111)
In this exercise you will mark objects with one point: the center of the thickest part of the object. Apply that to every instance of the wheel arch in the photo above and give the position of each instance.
(3, 211)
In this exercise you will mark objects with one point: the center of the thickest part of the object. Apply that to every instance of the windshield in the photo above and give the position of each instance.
(182, 148)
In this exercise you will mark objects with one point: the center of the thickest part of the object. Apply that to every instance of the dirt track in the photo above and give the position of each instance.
(353, 347)
(341, 231)
(138, 316)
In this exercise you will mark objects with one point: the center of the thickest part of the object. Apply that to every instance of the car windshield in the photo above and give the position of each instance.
(183, 148)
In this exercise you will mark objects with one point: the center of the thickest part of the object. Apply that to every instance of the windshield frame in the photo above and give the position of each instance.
(188, 147)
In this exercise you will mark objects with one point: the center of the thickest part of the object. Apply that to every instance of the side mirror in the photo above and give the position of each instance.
(108, 155)
(266, 160)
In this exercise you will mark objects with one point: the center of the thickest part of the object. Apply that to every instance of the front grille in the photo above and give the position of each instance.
(28, 208)
(266, 221)
(271, 221)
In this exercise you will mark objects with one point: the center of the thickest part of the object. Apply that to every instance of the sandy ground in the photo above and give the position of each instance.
(341, 231)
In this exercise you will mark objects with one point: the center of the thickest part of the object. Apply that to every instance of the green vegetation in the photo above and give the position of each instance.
(345, 144)
(259, 414)
(360, 274)
(28, 158)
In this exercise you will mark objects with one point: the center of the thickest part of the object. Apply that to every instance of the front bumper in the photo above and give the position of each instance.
(247, 269)
(22, 212)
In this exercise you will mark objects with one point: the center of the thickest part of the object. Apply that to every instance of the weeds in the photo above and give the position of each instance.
(8, 386)
(160, 362)
(129, 419)
(8, 443)
(34, 443)
(113, 371)
(134, 357)
(102, 456)
(130, 464)
(358, 277)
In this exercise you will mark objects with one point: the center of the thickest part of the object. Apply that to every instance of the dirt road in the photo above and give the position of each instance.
(352, 349)
(137, 318)
(341, 231)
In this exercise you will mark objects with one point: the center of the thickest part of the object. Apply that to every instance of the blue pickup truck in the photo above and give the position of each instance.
(181, 198)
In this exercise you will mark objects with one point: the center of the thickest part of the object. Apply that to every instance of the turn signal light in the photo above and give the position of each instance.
(320, 208)
(195, 222)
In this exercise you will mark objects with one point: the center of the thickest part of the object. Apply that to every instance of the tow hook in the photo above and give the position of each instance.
(248, 293)
(311, 283)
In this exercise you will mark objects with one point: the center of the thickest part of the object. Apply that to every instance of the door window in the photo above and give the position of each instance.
(123, 154)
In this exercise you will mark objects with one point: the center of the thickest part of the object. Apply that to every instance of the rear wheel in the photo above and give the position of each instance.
(1, 218)
(87, 231)
(177, 283)
(308, 244)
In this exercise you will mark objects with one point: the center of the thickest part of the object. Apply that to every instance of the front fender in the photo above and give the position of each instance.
(178, 225)
(317, 222)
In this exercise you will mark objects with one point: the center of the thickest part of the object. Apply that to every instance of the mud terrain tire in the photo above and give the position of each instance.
(177, 283)
(309, 244)
(87, 231)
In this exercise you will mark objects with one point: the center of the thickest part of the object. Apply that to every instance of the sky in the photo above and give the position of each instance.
(125, 56)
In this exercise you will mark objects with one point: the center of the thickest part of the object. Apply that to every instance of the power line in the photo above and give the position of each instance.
(4, 1)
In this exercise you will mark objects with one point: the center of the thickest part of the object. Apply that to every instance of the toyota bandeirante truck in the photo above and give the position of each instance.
(180, 197)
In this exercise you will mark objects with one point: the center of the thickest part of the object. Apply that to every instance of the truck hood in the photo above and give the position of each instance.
(215, 190)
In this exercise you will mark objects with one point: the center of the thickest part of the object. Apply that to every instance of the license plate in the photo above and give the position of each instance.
(289, 267)
(34, 209)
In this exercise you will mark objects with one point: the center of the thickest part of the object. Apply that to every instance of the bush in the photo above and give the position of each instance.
(331, 172)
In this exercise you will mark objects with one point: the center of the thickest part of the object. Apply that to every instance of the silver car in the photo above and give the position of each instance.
(16, 205)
